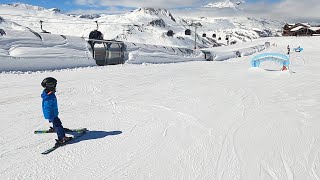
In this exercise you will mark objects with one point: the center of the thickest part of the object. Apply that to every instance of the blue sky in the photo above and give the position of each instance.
(61, 4)
(306, 10)
(72, 5)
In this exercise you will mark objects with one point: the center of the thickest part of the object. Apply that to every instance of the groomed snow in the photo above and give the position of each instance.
(150, 120)
(191, 120)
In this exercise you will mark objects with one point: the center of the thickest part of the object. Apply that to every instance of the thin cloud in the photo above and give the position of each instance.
(141, 3)
(289, 10)
(111, 10)
(285, 10)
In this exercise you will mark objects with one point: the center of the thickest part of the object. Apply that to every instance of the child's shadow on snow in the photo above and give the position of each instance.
(89, 135)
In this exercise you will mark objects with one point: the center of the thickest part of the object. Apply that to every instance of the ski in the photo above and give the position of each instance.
(51, 130)
(57, 146)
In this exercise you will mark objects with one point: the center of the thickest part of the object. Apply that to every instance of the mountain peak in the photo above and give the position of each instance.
(26, 6)
(224, 4)
(55, 10)
(155, 11)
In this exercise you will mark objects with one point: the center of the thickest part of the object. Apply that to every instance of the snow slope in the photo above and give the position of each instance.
(195, 120)
(24, 49)
(192, 120)
(136, 26)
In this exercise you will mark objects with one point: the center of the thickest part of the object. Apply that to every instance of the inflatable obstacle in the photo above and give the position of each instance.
(281, 58)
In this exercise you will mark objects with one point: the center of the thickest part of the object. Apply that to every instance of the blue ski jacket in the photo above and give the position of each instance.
(49, 105)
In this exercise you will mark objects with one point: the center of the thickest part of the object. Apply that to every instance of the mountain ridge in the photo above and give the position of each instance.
(146, 25)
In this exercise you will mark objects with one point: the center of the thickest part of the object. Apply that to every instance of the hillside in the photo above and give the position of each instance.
(143, 25)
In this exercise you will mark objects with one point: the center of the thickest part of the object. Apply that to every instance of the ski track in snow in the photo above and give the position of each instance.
(229, 155)
(196, 120)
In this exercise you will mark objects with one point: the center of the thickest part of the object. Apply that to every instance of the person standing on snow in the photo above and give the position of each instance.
(50, 108)
(288, 48)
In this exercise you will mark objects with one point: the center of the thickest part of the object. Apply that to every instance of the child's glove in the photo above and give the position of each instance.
(51, 120)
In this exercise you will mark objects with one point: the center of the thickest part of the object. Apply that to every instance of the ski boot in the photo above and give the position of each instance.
(51, 130)
(62, 141)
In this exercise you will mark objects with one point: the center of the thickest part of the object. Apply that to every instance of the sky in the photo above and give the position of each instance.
(73, 5)
(290, 10)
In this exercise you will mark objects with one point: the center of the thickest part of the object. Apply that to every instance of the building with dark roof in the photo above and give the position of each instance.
(300, 29)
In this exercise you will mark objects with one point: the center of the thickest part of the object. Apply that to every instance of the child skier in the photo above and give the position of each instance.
(50, 108)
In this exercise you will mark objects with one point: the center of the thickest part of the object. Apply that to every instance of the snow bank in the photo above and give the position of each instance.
(214, 55)
(147, 53)
(41, 63)
(25, 51)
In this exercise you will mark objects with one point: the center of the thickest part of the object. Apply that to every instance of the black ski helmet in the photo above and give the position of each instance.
(49, 83)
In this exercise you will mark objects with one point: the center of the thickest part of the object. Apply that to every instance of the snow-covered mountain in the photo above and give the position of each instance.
(25, 6)
(30, 8)
(143, 25)
(224, 4)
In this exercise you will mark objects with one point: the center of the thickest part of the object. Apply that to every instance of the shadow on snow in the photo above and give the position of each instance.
(89, 135)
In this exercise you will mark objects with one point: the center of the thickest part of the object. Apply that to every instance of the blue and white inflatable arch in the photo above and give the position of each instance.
(281, 58)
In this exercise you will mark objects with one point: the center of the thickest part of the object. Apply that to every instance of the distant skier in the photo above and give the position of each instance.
(288, 48)
(284, 68)
(50, 108)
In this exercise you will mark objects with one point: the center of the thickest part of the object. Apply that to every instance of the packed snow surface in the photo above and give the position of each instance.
(190, 120)
(157, 116)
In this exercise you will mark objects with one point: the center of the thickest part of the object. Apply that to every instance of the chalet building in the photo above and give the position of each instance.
(316, 30)
(300, 29)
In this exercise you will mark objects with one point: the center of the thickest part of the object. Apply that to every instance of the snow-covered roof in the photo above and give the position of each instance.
(301, 27)
(314, 28)
(305, 24)
(297, 28)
